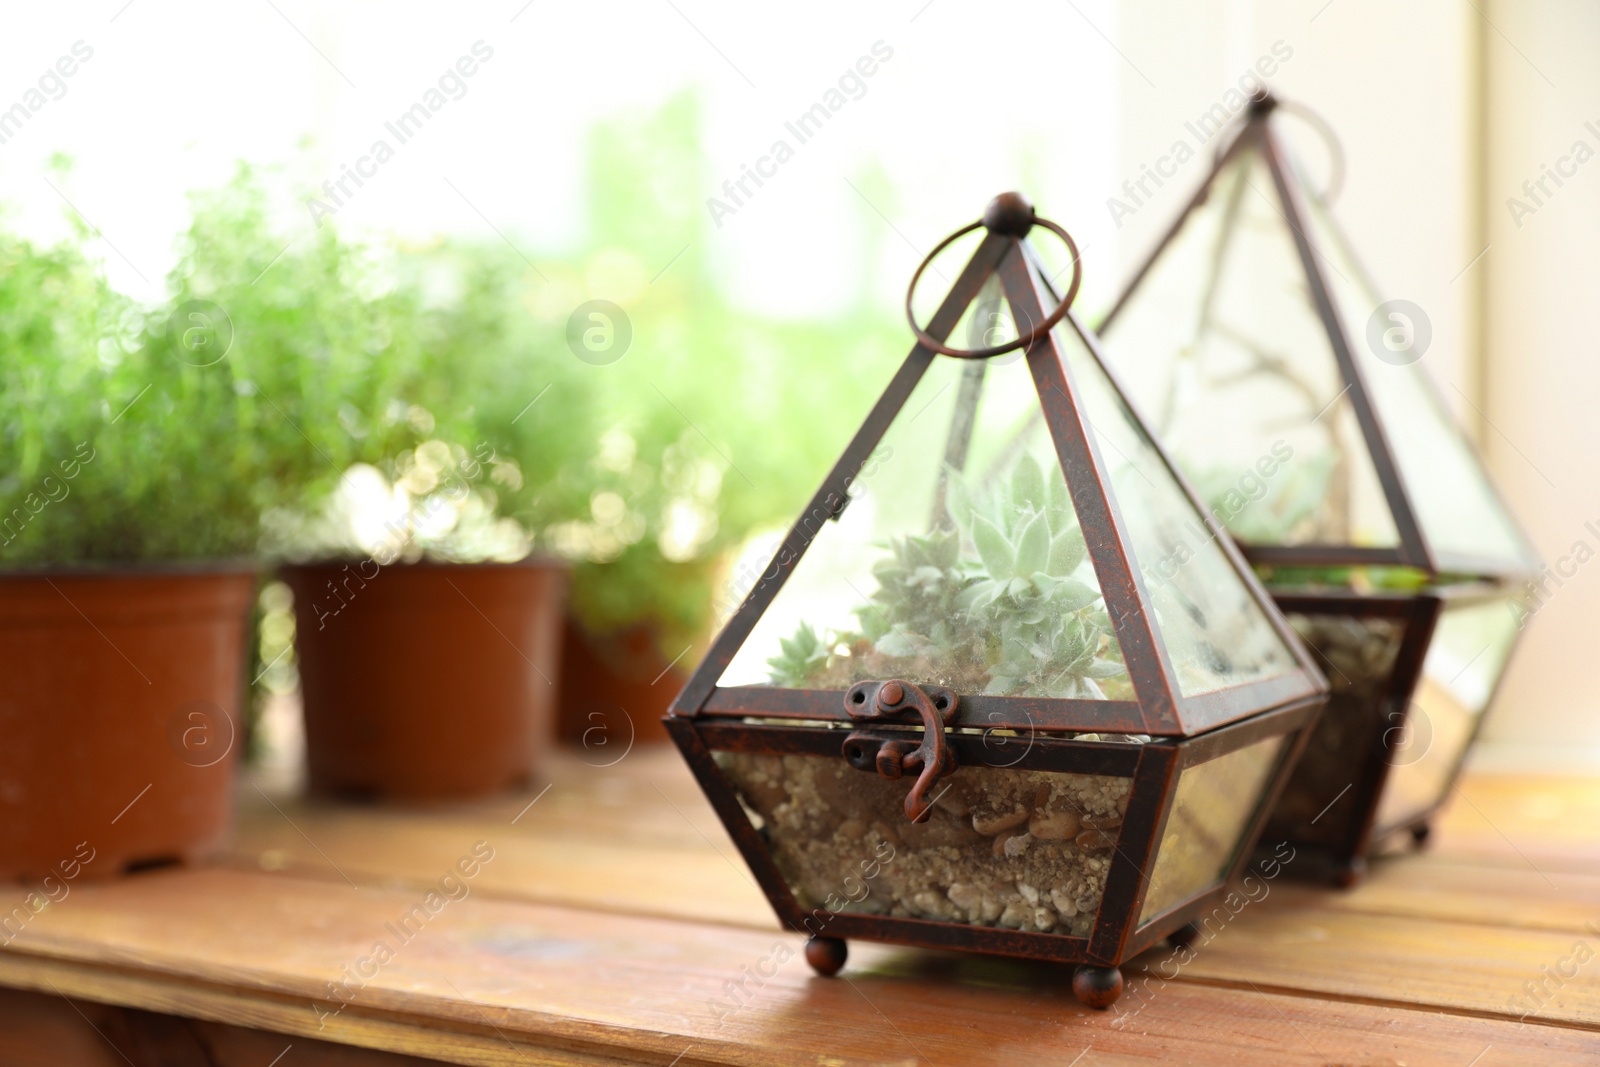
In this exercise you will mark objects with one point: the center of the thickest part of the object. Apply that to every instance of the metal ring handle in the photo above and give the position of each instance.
(1020, 342)
(1264, 103)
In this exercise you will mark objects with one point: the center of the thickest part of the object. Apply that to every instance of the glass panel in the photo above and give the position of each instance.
(1211, 810)
(1223, 351)
(1216, 632)
(1471, 644)
(1445, 481)
(1320, 804)
(958, 561)
(1027, 850)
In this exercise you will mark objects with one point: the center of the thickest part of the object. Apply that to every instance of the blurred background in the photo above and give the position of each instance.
(565, 154)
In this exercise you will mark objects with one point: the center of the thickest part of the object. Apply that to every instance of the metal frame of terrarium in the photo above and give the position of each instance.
(897, 727)
(1355, 816)
(1458, 575)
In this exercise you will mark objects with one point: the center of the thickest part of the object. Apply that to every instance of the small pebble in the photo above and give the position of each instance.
(1095, 839)
(991, 824)
(1016, 845)
(1054, 825)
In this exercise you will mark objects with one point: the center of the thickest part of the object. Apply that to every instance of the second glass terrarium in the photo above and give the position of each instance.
(1297, 403)
(1005, 686)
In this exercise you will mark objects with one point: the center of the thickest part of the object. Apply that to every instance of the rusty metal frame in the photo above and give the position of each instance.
(1345, 859)
(1413, 549)
(1205, 710)
(1154, 768)
(1161, 708)
(834, 493)
(1203, 750)
(1183, 730)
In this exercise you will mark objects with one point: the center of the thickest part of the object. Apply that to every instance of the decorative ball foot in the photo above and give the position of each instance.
(1097, 987)
(1351, 873)
(1420, 835)
(1183, 935)
(826, 955)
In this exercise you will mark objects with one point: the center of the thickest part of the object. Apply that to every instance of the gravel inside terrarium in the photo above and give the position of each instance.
(1027, 850)
(1358, 656)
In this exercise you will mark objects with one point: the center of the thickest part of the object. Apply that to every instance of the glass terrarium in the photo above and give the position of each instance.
(1005, 686)
(1295, 401)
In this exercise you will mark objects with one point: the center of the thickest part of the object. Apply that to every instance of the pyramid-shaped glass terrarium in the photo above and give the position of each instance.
(1292, 397)
(1005, 686)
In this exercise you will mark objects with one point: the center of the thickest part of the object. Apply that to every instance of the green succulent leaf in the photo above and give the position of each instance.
(1067, 552)
(1103, 668)
(1072, 595)
(946, 550)
(999, 559)
(1001, 685)
(1027, 483)
(874, 623)
(1060, 500)
(897, 643)
(802, 656)
(1033, 547)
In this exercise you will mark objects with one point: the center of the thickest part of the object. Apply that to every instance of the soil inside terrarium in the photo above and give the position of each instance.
(1027, 850)
(1321, 804)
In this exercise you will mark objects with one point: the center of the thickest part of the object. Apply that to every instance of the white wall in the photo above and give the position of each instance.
(1396, 83)
(1543, 382)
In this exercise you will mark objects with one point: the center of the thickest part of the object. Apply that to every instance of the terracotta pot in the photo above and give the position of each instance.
(119, 717)
(426, 680)
(615, 687)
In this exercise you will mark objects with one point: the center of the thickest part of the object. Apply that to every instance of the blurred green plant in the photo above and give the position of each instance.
(59, 324)
(309, 395)
(269, 367)
(718, 421)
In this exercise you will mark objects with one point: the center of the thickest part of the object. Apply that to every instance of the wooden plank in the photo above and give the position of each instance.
(645, 842)
(1544, 974)
(1537, 823)
(36, 1028)
(698, 881)
(497, 982)
(1460, 890)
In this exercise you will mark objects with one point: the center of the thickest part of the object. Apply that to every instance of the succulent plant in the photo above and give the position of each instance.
(1008, 617)
(1046, 628)
(915, 610)
(803, 654)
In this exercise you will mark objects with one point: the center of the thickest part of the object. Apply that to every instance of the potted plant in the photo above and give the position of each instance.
(427, 626)
(146, 446)
(428, 653)
(587, 449)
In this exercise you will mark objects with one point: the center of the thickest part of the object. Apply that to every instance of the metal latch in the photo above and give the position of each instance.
(889, 752)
